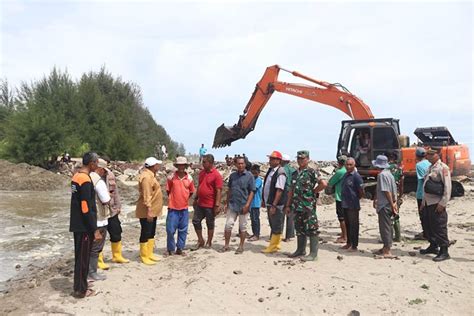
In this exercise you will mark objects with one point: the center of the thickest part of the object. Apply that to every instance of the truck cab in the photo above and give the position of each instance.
(364, 140)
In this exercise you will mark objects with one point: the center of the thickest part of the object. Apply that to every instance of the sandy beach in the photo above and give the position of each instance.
(209, 282)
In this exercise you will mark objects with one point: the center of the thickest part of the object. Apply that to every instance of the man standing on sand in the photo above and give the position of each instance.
(239, 197)
(290, 223)
(422, 166)
(437, 192)
(207, 200)
(336, 182)
(302, 200)
(274, 198)
(385, 203)
(114, 226)
(256, 203)
(351, 194)
(180, 187)
(149, 207)
(102, 198)
(83, 223)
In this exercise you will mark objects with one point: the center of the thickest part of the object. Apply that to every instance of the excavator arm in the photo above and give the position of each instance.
(334, 95)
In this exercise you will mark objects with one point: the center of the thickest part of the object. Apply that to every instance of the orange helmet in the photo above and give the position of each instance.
(275, 154)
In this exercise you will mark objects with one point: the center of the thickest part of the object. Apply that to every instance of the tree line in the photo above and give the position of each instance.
(39, 121)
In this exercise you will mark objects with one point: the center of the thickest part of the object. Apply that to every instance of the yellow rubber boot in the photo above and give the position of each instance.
(274, 243)
(151, 247)
(144, 254)
(101, 264)
(278, 242)
(117, 253)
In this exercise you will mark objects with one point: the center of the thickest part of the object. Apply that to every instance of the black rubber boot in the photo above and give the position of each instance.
(301, 249)
(313, 246)
(431, 249)
(443, 254)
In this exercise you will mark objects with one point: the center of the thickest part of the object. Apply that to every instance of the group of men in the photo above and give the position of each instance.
(95, 209)
(431, 173)
(285, 192)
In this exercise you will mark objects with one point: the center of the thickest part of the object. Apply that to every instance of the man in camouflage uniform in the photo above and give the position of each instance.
(302, 198)
(397, 173)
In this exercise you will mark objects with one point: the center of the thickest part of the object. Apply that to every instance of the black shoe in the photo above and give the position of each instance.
(431, 249)
(443, 255)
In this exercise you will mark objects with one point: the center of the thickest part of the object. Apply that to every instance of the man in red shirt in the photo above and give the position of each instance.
(180, 187)
(207, 200)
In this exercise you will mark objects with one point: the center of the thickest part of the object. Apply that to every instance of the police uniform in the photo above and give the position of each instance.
(437, 222)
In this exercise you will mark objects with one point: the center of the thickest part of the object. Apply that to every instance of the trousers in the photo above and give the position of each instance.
(176, 220)
(82, 254)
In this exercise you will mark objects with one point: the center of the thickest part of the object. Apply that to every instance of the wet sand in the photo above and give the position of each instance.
(209, 282)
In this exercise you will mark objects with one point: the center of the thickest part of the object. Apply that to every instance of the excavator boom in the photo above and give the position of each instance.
(334, 95)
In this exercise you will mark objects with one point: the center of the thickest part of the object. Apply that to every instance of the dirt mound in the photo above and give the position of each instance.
(24, 177)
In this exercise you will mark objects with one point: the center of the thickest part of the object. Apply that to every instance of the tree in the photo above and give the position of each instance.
(98, 112)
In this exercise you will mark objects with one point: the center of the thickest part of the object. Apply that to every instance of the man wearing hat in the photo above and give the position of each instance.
(336, 182)
(274, 198)
(290, 223)
(114, 227)
(302, 199)
(437, 192)
(102, 198)
(422, 166)
(385, 203)
(180, 187)
(149, 207)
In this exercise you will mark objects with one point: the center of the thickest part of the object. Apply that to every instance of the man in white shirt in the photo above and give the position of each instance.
(103, 213)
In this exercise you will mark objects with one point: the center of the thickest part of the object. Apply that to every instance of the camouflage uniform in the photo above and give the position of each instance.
(397, 173)
(303, 204)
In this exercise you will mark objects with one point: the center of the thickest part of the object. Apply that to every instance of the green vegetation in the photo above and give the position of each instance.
(42, 120)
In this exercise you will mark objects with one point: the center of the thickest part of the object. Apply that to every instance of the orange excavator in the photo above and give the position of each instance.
(363, 137)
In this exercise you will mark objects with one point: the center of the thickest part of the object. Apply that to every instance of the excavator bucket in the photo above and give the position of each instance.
(225, 135)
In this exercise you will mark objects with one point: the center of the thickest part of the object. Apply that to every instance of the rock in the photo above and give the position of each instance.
(327, 170)
(340, 258)
(412, 253)
(271, 288)
(237, 272)
(18, 266)
(122, 177)
(354, 313)
(261, 299)
(170, 167)
(130, 172)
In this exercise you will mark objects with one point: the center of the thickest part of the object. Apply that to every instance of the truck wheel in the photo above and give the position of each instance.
(457, 189)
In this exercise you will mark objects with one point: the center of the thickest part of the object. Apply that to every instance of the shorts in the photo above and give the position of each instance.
(339, 211)
(232, 217)
(203, 212)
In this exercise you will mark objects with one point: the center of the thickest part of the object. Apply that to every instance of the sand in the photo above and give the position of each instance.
(209, 282)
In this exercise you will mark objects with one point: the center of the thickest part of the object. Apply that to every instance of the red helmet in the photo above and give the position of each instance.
(275, 154)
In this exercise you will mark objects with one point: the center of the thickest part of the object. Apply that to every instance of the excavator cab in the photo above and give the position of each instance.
(364, 140)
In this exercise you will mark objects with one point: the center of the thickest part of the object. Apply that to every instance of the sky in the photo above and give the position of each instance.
(197, 62)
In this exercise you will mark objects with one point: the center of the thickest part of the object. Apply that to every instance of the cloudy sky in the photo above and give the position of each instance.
(197, 62)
